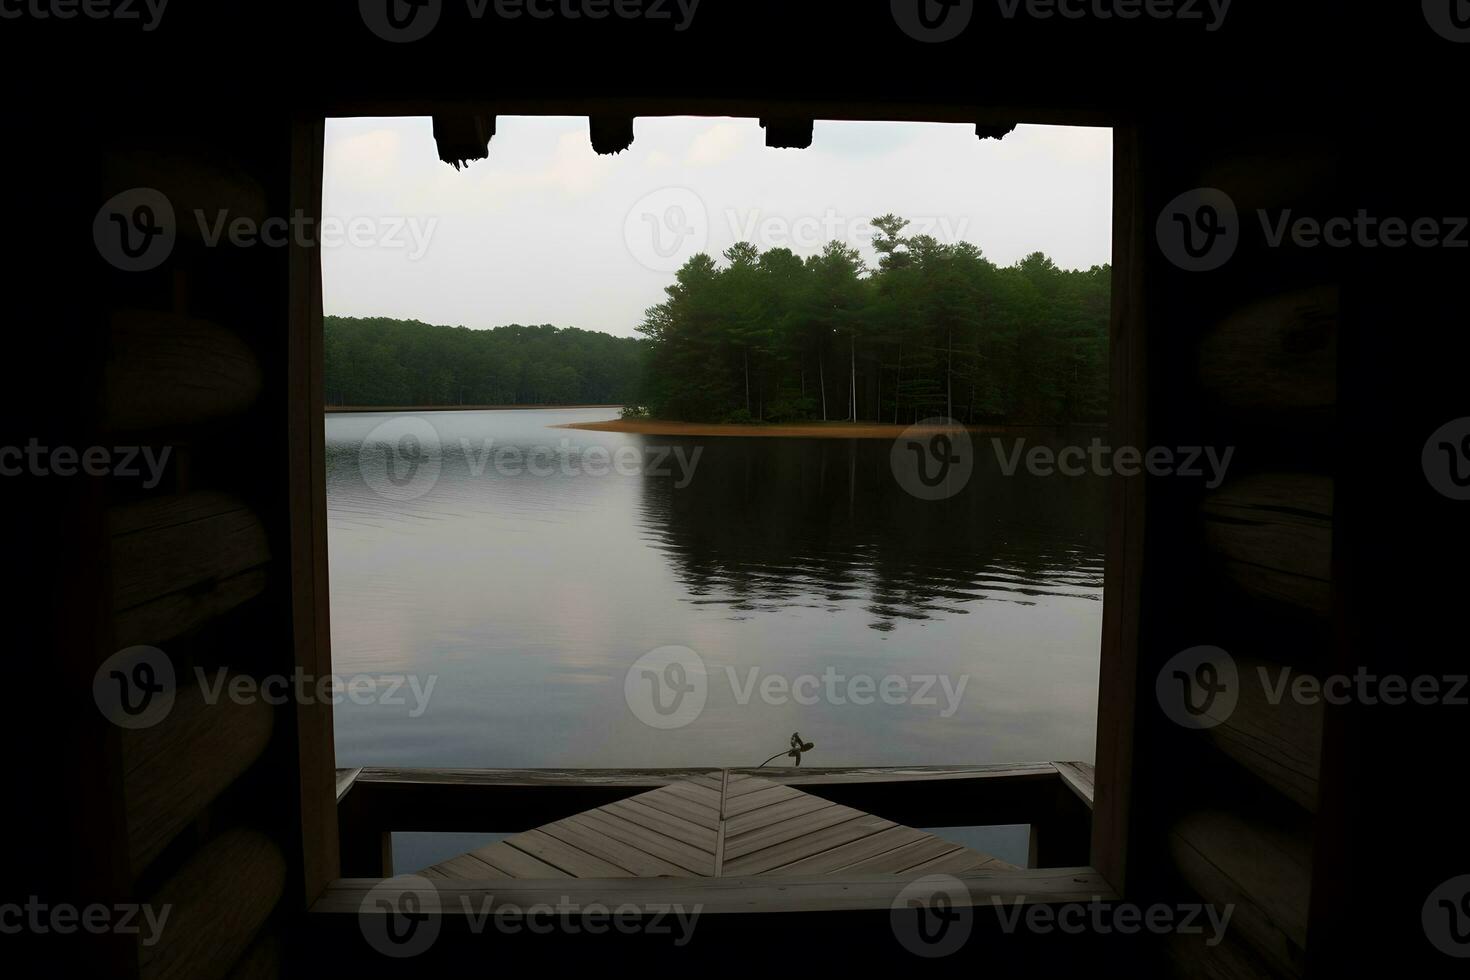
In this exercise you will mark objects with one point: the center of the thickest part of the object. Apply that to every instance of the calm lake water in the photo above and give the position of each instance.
(524, 569)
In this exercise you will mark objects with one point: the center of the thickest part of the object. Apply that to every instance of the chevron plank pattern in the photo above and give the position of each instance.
(715, 825)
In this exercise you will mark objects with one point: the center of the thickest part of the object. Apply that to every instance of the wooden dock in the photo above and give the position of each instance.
(713, 825)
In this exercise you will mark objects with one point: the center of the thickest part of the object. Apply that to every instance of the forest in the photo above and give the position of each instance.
(933, 330)
(376, 361)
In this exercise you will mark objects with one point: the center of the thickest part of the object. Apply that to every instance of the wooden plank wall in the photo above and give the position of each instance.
(1280, 800)
(201, 812)
(1243, 357)
(197, 568)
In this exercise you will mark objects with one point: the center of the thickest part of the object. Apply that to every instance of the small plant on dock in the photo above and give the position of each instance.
(795, 752)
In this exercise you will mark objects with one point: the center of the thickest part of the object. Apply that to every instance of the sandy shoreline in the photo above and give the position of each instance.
(802, 430)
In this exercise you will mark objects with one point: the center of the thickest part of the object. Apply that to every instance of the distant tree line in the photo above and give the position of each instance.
(379, 361)
(934, 330)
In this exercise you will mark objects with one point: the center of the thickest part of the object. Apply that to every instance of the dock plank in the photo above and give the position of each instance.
(766, 815)
(793, 828)
(637, 861)
(860, 850)
(714, 825)
(512, 862)
(469, 866)
(742, 783)
(695, 793)
(665, 823)
(793, 850)
(707, 816)
(761, 797)
(573, 860)
(691, 860)
(960, 860)
(901, 859)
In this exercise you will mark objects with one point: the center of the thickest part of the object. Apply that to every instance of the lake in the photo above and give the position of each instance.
(564, 590)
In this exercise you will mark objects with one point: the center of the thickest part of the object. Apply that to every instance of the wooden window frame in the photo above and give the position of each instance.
(1117, 689)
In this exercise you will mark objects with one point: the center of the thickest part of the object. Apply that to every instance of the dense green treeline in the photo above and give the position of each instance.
(934, 330)
(377, 361)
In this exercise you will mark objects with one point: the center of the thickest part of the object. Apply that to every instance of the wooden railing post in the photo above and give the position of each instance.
(1061, 836)
(366, 846)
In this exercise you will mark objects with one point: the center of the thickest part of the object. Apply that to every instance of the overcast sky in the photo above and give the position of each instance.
(546, 231)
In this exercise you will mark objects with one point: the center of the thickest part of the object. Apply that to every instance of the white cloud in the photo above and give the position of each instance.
(719, 143)
(535, 233)
(366, 161)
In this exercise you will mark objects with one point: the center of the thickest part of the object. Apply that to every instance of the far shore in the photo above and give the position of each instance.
(802, 430)
(348, 409)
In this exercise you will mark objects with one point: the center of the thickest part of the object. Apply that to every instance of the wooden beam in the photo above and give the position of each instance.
(1272, 364)
(463, 137)
(217, 903)
(165, 369)
(306, 472)
(809, 778)
(719, 896)
(896, 110)
(1061, 827)
(510, 800)
(376, 802)
(610, 134)
(1123, 564)
(641, 779)
(181, 560)
(1079, 778)
(1272, 536)
(934, 797)
(1263, 871)
(364, 842)
(345, 779)
(786, 133)
(1281, 743)
(173, 770)
(192, 179)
